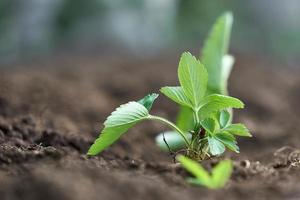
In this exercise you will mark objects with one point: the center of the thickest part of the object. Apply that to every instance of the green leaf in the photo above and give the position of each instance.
(148, 100)
(238, 129)
(221, 173)
(185, 119)
(218, 178)
(225, 134)
(177, 95)
(214, 50)
(224, 118)
(228, 140)
(174, 140)
(195, 169)
(209, 125)
(192, 77)
(215, 146)
(123, 118)
(216, 102)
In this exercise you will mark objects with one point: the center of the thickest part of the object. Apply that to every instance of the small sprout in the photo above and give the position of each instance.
(214, 180)
(205, 129)
(218, 63)
(212, 130)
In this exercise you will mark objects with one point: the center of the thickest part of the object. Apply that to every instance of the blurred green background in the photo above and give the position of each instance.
(35, 28)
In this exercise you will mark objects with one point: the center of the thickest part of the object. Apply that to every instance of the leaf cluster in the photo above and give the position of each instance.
(209, 111)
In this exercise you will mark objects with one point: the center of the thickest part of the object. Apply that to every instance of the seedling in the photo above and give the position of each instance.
(218, 64)
(211, 131)
(214, 180)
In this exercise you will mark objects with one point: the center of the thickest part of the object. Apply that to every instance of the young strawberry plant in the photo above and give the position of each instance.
(214, 180)
(218, 64)
(211, 131)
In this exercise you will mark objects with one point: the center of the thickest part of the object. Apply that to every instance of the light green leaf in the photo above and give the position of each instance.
(214, 50)
(174, 140)
(148, 100)
(192, 77)
(221, 173)
(123, 118)
(216, 102)
(224, 118)
(209, 125)
(215, 146)
(177, 95)
(218, 178)
(195, 168)
(238, 129)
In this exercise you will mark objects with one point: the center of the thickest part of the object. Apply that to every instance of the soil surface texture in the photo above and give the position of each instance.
(51, 111)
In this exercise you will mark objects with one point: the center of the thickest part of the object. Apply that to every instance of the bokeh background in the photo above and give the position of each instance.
(37, 28)
(65, 65)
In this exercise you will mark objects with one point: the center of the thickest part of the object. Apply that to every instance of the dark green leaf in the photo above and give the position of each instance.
(229, 141)
(238, 129)
(215, 102)
(224, 118)
(148, 100)
(209, 125)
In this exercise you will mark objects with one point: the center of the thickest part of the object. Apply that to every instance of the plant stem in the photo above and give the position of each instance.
(197, 120)
(173, 126)
(196, 127)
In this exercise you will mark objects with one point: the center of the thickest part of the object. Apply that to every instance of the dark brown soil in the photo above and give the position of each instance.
(50, 112)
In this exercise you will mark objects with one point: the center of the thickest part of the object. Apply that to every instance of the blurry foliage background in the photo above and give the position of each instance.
(33, 28)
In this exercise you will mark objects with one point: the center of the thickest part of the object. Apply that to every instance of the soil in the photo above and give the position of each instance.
(51, 111)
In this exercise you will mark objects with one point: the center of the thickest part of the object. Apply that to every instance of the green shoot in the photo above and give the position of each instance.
(214, 180)
(214, 54)
(211, 130)
(218, 64)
